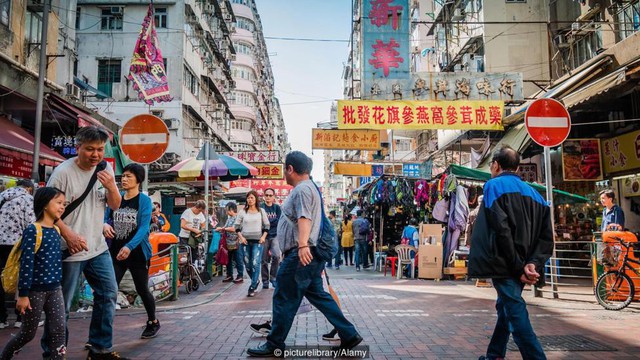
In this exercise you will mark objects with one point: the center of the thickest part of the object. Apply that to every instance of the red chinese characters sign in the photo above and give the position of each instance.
(269, 171)
(420, 115)
(280, 187)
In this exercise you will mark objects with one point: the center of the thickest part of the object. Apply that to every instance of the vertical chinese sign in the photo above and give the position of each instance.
(385, 46)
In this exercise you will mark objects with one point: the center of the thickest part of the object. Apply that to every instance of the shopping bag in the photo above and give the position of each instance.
(222, 256)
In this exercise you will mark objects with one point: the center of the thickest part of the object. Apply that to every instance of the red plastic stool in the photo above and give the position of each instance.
(393, 260)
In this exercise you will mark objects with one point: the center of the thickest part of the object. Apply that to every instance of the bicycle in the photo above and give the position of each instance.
(614, 289)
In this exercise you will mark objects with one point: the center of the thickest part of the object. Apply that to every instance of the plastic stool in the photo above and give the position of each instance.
(393, 260)
(379, 259)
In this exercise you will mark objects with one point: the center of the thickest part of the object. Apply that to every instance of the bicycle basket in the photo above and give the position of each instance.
(611, 255)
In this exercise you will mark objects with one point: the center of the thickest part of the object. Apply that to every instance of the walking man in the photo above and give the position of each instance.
(16, 213)
(512, 240)
(271, 249)
(361, 228)
(82, 232)
(337, 227)
(300, 271)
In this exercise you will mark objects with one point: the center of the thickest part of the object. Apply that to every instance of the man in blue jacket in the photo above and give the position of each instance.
(512, 240)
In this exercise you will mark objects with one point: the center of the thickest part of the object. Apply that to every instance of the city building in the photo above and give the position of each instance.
(194, 37)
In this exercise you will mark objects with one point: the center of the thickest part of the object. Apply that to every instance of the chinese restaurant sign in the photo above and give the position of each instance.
(581, 160)
(621, 152)
(385, 38)
(450, 86)
(420, 115)
(269, 171)
(345, 139)
(15, 166)
(255, 156)
(280, 187)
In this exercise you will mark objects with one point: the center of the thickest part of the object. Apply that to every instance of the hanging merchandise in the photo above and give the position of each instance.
(421, 189)
(459, 212)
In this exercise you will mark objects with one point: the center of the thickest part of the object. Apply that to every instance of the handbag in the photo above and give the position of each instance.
(195, 239)
(222, 256)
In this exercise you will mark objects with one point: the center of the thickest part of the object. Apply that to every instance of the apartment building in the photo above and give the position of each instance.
(258, 123)
(194, 37)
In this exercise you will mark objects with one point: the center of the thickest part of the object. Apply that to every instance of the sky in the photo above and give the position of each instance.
(305, 71)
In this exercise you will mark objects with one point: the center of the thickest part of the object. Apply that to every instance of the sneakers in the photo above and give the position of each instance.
(357, 268)
(4, 325)
(238, 281)
(262, 329)
(41, 323)
(331, 335)
(17, 324)
(251, 293)
(228, 279)
(105, 356)
(151, 330)
(265, 285)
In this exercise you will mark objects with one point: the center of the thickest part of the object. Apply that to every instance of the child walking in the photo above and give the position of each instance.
(39, 287)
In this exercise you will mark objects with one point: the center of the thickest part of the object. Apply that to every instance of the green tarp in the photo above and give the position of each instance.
(113, 151)
(468, 173)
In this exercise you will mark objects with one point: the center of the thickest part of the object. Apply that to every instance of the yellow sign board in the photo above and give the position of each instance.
(621, 152)
(420, 115)
(269, 171)
(345, 139)
(351, 169)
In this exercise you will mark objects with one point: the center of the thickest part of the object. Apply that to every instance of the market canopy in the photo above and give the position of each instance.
(468, 173)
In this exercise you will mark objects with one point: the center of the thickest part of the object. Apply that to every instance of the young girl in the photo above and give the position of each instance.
(39, 286)
(130, 248)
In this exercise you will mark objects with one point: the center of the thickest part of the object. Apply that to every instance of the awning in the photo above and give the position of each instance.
(468, 173)
(516, 137)
(61, 106)
(595, 88)
(561, 197)
(18, 143)
(85, 86)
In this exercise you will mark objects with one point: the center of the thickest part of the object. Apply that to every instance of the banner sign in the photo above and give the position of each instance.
(377, 170)
(269, 171)
(411, 170)
(14, 166)
(280, 187)
(257, 156)
(581, 160)
(385, 44)
(450, 86)
(345, 139)
(622, 152)
(528, 172)
(420, 115)
(352, 169)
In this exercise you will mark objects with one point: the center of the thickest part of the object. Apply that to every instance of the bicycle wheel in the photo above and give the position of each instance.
(614, 290)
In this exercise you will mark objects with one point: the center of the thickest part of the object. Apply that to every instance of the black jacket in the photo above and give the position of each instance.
(513, 229)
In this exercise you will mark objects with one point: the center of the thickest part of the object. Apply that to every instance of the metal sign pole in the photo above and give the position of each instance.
(206, 183)
(145, 183)
(549, 185)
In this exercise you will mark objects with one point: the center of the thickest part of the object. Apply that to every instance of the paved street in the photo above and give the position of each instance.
(398, 320)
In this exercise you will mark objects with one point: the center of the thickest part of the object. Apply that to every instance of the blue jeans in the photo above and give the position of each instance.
(337, 260)
(101, 277)
(252, 258)
(362, 255)
(294, 282)
(513, 318)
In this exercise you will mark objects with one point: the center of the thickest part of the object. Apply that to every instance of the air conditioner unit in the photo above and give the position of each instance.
(458, 15)
(228, 17)
(172, 124)
(203, 126)
(220, 107)
(232, 27)
(232, 84)
(209, 9)
(116, 10)
(561, 41)
(73, 91)
(232, 57)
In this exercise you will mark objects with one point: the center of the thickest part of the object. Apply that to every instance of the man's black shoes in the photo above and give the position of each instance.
(265, 350)
(349, 344)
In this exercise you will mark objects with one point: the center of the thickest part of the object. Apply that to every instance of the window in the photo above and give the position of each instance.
(191, 82)
(33, 27)
(111, 18)
(243, 23)
(160, 17)
(629, 19)
(242, 2)
(243, 72)
(77, 18)
(109, 72)
(5, 12)
(516, 1)
(243, 98)
(243, 48)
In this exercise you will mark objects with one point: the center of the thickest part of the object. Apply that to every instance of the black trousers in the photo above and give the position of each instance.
(140, 277)
(5, 250)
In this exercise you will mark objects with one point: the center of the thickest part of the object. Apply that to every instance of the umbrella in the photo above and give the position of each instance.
(225, 167)
(331, 291)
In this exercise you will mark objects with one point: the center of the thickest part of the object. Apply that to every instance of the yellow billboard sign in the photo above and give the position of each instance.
(621, 152)
(420, 115)
(345, 139)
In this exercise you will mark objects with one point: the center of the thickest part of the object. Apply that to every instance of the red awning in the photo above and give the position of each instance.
(17, 142)
(83, 118)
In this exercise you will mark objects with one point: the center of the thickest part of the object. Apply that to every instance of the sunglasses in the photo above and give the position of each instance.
(268, 195)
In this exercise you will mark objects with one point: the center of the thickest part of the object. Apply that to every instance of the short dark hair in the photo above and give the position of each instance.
(507, 158)
(301, 163)
(608, 193)
(232, 207)
(137, 170)
(359, 213)
(269, 189)
(332, 212)
(41, 199)
(200, 204)
(157, 204)
(25, 183)
(91, 134)
(413, 221)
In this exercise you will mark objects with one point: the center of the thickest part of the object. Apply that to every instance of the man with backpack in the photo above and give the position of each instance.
(301, 232)
(361, 230)
(16, 213)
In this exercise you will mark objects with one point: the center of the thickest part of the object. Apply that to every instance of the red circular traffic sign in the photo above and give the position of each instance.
(144, 138)
(548, 122)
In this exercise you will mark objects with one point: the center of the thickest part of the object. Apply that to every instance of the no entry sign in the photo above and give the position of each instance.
(548, 122)
(144, 138)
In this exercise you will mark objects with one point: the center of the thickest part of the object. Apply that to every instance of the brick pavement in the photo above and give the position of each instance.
(398, 320)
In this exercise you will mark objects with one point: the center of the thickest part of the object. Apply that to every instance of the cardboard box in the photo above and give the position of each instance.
(430, 233)
(459, 263)
(430, 262)
(455, 271)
